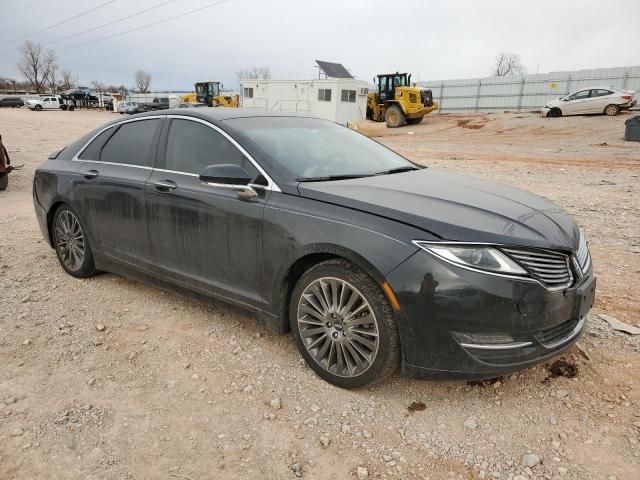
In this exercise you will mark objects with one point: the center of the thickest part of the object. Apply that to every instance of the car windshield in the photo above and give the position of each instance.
(311, 149)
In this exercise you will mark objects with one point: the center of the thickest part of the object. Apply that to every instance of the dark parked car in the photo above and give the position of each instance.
(12, 102)
(80, 93)
(158, 103)
(367, 258)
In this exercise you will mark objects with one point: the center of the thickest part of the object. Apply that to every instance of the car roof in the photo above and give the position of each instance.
(598, 87)
(221, 113)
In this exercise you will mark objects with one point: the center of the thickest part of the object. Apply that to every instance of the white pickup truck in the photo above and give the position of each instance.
(48, 103)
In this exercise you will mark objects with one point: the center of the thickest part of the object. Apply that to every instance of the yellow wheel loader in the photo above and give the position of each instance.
(397, 102)
(209, 94)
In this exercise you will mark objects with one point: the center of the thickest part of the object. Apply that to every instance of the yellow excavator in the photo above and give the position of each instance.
(208, 93)
(397, 102)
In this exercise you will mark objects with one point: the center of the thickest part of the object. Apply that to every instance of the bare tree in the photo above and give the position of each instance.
(52, 80)
(97, 86)
(67, 80)
(508, 64)
(254, 73)
(143, 81)
(36, 65)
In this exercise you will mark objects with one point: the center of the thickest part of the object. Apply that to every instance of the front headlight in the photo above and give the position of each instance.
(474, 256)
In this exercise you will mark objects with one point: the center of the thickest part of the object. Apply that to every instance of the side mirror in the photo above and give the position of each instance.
(225, 174)
(229, 176)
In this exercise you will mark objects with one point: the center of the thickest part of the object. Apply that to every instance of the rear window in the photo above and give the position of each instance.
(131, 143)
(92, 151)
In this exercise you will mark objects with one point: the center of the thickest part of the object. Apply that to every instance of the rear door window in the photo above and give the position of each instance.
(600, 92)
(132, 144)
(192, 146)
(92, 151)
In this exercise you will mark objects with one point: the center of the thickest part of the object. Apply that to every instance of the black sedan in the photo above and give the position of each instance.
(13, 102)
(370, 260)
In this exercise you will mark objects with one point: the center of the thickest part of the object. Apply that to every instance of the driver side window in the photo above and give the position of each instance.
(580, 95)
(192, 146)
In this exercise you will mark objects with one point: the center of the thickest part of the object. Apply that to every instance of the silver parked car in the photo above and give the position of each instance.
(604, 100)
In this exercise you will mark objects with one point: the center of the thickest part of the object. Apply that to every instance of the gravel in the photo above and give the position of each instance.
(119, 402)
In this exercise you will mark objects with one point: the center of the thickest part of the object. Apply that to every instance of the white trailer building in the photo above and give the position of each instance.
(342, 100)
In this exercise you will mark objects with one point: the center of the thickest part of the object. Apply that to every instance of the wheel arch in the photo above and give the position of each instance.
(303, 261)
(50, 214)
(555, 109)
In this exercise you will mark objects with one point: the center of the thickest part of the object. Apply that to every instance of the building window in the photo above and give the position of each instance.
(348, 96)
(324, 94)
(248, 92)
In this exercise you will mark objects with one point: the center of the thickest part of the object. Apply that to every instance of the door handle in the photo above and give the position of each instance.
(165, 186)
(90, 174)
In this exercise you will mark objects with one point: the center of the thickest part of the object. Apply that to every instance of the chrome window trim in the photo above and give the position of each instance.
(271, 185)
(117, 124)
(144, 167)
(176, 172)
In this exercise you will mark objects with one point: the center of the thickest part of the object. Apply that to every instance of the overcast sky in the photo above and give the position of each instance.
(432, 39)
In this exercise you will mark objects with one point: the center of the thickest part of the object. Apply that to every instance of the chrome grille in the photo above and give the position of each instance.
(551, 268)
(582, 255)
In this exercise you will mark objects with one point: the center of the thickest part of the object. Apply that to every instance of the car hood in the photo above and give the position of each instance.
(554, 103)
(455, 207)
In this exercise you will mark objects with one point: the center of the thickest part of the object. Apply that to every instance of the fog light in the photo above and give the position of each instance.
(488, 341)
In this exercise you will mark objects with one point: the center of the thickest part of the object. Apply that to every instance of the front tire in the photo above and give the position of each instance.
(554, 113)
(4, 182)
(71, 243)
(611, 110)
(394, 116)
(38, 108)
(343, 325)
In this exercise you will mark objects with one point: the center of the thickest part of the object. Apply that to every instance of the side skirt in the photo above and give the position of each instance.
(106, 263)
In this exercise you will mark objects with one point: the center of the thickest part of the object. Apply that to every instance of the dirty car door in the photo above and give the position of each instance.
(112, 189)
(202, 236)
(577, 103)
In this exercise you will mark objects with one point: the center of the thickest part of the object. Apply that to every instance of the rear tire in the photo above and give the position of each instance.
(4, 182)
(394, 116)
(343, 325)
(414, 121)
(554, 113)
(611, 110)
(71, 243)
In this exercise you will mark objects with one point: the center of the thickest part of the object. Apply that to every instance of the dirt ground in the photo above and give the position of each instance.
(107, 378)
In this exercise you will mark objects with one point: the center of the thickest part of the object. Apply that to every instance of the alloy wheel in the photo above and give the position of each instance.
(338, 327)
(69, 240)
(611, 110)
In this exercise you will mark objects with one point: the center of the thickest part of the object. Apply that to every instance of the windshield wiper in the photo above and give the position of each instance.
(328, 178)
(398, 170)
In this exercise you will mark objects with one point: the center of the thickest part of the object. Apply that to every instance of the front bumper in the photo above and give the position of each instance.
(421, 111)
(544, 111)
(436, 306)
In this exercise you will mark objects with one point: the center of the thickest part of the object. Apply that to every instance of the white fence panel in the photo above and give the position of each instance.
(527, 92)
